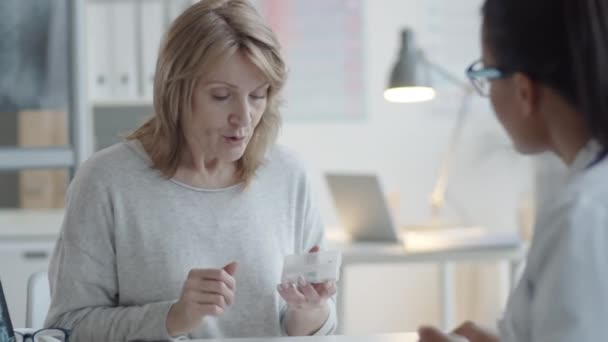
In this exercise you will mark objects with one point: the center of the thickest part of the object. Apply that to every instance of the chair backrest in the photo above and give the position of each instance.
(38, 300)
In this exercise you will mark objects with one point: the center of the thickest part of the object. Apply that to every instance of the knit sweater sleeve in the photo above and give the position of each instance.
(82, 272)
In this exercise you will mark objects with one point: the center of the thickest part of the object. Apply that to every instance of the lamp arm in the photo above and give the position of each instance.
(443, 72)
(438, 194)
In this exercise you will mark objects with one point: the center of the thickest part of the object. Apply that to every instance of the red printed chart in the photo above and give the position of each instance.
(322, 41)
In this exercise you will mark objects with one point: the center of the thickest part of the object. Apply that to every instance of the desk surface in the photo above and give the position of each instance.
(402, 337)
(383, 252)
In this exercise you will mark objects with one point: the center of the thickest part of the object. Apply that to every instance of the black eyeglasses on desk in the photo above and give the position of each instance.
(43, 335)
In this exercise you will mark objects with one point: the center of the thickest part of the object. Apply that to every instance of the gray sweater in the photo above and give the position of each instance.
(130, 236)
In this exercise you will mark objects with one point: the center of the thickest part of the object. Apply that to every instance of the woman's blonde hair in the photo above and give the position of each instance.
(204, 34)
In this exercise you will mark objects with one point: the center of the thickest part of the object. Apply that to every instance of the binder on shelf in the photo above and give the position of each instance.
(150, 34)
(124, 51)
(123, 42)
(99, 54)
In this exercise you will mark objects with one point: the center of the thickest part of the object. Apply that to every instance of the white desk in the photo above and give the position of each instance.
(32, 226)
(356, 253)
(402, 337)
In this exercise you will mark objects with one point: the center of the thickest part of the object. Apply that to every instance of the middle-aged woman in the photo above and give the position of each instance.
(182, 229)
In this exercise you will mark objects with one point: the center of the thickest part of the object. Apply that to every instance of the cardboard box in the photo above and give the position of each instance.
(41, 189)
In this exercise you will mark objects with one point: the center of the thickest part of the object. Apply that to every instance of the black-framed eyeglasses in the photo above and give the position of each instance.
(43, 335)
(481, 76)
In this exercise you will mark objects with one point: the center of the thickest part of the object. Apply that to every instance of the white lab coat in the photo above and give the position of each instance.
(563, 293)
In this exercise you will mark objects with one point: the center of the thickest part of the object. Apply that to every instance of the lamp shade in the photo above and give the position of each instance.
(407, 82)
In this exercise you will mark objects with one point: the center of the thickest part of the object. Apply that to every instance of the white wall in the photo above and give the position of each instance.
(403, 145)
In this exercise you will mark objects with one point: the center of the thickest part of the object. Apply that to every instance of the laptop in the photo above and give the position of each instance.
(364, 214)
(6, 326)
(362, 208)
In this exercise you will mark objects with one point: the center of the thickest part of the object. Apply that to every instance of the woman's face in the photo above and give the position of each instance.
(227, 105)
(515, 102)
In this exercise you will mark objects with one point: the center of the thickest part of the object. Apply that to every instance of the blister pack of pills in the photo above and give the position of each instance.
(313, 267)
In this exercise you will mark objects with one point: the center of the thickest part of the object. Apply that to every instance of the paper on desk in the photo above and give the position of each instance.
(455, 238)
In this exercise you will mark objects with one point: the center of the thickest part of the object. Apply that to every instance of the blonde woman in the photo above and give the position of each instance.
(182, 229)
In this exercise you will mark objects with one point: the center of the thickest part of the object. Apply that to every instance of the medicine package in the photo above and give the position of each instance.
(313, 267)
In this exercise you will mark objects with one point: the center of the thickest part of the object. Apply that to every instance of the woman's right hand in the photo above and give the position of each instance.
(206, 292)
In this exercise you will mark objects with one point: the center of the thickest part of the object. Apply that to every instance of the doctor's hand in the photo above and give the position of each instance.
(431, 334)
(307, 296)
(475, 333)
(206, 292)
(466, 332)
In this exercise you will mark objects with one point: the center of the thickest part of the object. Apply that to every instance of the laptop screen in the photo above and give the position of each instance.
(362, 208)
(6, 327)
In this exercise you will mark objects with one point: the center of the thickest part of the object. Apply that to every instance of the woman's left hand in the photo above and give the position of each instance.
(307, 296)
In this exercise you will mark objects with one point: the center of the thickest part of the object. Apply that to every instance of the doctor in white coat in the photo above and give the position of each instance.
(545, 69)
